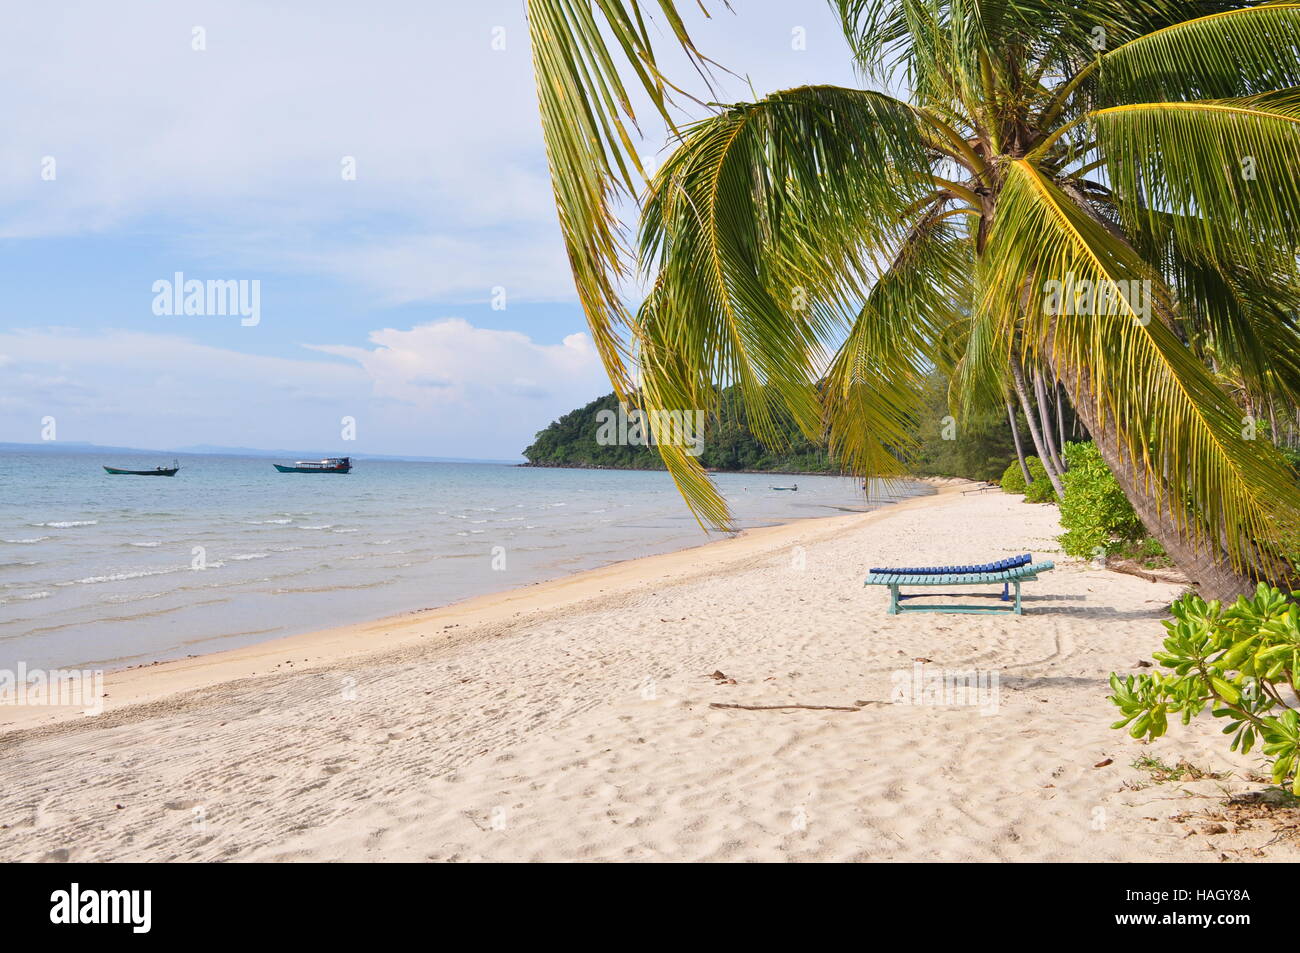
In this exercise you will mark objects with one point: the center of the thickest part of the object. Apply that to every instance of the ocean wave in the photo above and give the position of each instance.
(123, 599)
(267, 523)
(67, 524)
(122, 576)
(147, 545)
(243, 556)
(29, 541)
(321, 526)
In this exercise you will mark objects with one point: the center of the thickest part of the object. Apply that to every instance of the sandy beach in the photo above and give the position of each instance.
(574, 720)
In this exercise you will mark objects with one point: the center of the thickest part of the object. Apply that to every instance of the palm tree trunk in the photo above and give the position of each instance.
(1058, 396)
(1045, 420)
(1206, 565)
(1018, 378)
(1015, 435)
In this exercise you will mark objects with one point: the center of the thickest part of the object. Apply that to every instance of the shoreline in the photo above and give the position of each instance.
(744, 700)
(153, 682)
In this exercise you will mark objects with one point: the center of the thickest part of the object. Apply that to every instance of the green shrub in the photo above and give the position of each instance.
(1013, 479)
(1096, 514)
(1041, 491)
(1036, 472)
(1239, 661)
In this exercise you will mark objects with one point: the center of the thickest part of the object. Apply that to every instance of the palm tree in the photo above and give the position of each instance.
(1079, 187)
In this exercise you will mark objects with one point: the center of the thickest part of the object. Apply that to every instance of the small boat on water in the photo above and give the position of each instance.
(156, 471)
(794, 487)
(328, 465)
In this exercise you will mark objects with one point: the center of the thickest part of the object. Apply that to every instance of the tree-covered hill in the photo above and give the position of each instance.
(572, 441)
(978, 447)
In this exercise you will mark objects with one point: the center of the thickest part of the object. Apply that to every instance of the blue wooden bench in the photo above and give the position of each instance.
(1009, 572)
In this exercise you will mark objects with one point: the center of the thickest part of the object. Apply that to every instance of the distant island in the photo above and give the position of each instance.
(727, 443)
(979, 448)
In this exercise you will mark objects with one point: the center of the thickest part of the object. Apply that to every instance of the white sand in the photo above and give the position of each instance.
(571, 721)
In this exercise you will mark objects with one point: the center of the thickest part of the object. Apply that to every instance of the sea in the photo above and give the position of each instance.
(103, 571)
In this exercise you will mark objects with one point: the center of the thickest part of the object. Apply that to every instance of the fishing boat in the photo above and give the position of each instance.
(794, 487)
(328, 465)
(156, 471)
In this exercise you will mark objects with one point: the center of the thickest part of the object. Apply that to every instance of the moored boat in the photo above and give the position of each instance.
(156, 471)
(328, 465)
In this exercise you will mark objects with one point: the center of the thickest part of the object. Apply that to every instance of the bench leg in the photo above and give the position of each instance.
(893, 600)
(1018, 612)
(1006, 594)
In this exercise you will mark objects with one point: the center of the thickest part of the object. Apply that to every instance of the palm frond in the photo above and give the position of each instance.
(1225, 169)
(1243, 312)
(1224, 55)
(873, 390)
(1176, 426)
(762, 230)
(586, 111)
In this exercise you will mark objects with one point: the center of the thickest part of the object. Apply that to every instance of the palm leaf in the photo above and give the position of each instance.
(1176, 426)
(586, 110)
(1227, 54)
(1224, 169)
(873, 390)
(763, 229)
(1246, 313)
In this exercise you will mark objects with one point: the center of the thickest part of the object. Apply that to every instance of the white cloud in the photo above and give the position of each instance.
(244, 140)
(235, 150)
(451, 364)
(446, 388)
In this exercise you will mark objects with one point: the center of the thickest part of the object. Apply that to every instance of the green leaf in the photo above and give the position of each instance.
(1226, 689)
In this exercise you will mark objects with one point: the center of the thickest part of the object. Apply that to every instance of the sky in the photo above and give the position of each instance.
(376, 168)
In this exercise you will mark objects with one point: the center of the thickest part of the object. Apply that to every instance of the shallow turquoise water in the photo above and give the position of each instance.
(110, 571)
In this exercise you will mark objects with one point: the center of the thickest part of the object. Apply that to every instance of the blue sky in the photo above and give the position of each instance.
(226, 163)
